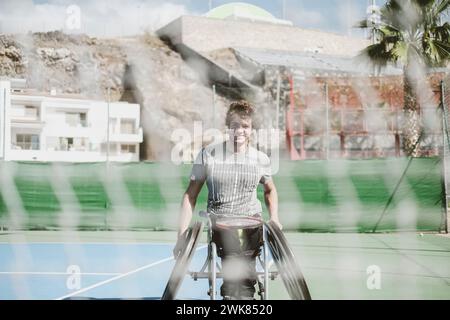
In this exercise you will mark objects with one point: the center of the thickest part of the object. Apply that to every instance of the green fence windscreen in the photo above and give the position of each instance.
(316, 196)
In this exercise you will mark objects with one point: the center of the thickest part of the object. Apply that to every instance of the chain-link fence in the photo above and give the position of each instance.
(357, 117)
(444, 105)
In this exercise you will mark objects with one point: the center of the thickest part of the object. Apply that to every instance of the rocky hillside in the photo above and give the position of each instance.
(139, 69)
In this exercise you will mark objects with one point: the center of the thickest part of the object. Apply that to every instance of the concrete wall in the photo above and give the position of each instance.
(207, 34)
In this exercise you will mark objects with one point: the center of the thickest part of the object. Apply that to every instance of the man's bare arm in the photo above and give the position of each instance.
(271, 200)
(188, 205)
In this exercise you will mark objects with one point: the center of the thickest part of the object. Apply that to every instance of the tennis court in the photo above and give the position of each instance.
(360, 229)
(123, 265)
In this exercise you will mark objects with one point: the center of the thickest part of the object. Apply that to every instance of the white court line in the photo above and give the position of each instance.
(98, 284)
(60, 273)
(89, 243)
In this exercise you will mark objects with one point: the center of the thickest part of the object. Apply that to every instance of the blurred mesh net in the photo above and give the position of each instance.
(316, 196)
(444, 105)
(371, 195)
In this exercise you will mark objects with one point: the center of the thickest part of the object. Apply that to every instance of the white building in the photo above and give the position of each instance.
(36, 127)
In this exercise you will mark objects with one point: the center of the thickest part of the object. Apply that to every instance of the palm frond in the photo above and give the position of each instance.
(416, 54)
(442, 32)
(400, 51)
(411, 29)
(442, 6)
(377, 54)
(442, 48)
(424, 3)
(363, 24)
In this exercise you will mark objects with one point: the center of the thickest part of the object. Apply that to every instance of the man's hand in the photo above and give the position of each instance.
(277, 223)
(181, 243)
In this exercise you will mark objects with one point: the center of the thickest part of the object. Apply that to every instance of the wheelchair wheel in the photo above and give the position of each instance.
(285, 261)
(182, 263)
(212, 270)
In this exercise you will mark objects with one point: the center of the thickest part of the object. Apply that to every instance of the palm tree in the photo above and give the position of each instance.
(412, 33)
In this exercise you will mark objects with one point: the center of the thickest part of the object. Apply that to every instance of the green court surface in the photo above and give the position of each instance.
(314, 196)
(354, 227)
(335, 265)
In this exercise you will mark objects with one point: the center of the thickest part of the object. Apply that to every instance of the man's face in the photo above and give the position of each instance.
(240, 129)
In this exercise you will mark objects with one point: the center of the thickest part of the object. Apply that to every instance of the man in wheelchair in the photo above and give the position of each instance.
(238, 250)
(232, 171)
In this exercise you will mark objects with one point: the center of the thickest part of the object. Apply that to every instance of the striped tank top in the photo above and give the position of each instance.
(232, 179)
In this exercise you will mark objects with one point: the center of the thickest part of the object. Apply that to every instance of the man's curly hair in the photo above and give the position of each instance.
(241, 108)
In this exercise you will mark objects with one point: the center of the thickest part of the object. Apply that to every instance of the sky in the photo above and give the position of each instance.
(121, 18)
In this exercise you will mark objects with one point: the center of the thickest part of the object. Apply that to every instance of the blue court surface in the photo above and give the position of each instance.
(91, 270)
(137, 265)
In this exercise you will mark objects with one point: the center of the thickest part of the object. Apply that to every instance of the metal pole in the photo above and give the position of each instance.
(4, 126)
(327, 128)
(107, 128)
(373, 28)
(214, 106)
(266, 264)
(107, 156)
(444, 157)
(349, 19)
(277, 117)
(213, 270)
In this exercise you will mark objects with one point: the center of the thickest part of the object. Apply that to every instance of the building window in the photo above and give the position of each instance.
(83, 120)
(72, 144)
(27, 141)
(76, 119)
(127, 126)
(112, 148)
(52, 143)
(81, 144)
(31, 112)
(127, 148)
(63, 144)
(112, 125)
(22, 112)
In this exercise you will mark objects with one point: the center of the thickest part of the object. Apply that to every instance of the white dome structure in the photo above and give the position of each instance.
(244, 11)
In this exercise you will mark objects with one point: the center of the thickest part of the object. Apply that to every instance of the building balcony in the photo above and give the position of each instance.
(27, 123)
(127, 137)
(68, 156)
(67, 131)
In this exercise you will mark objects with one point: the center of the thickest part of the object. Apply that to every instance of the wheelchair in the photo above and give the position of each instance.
(274, 243)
